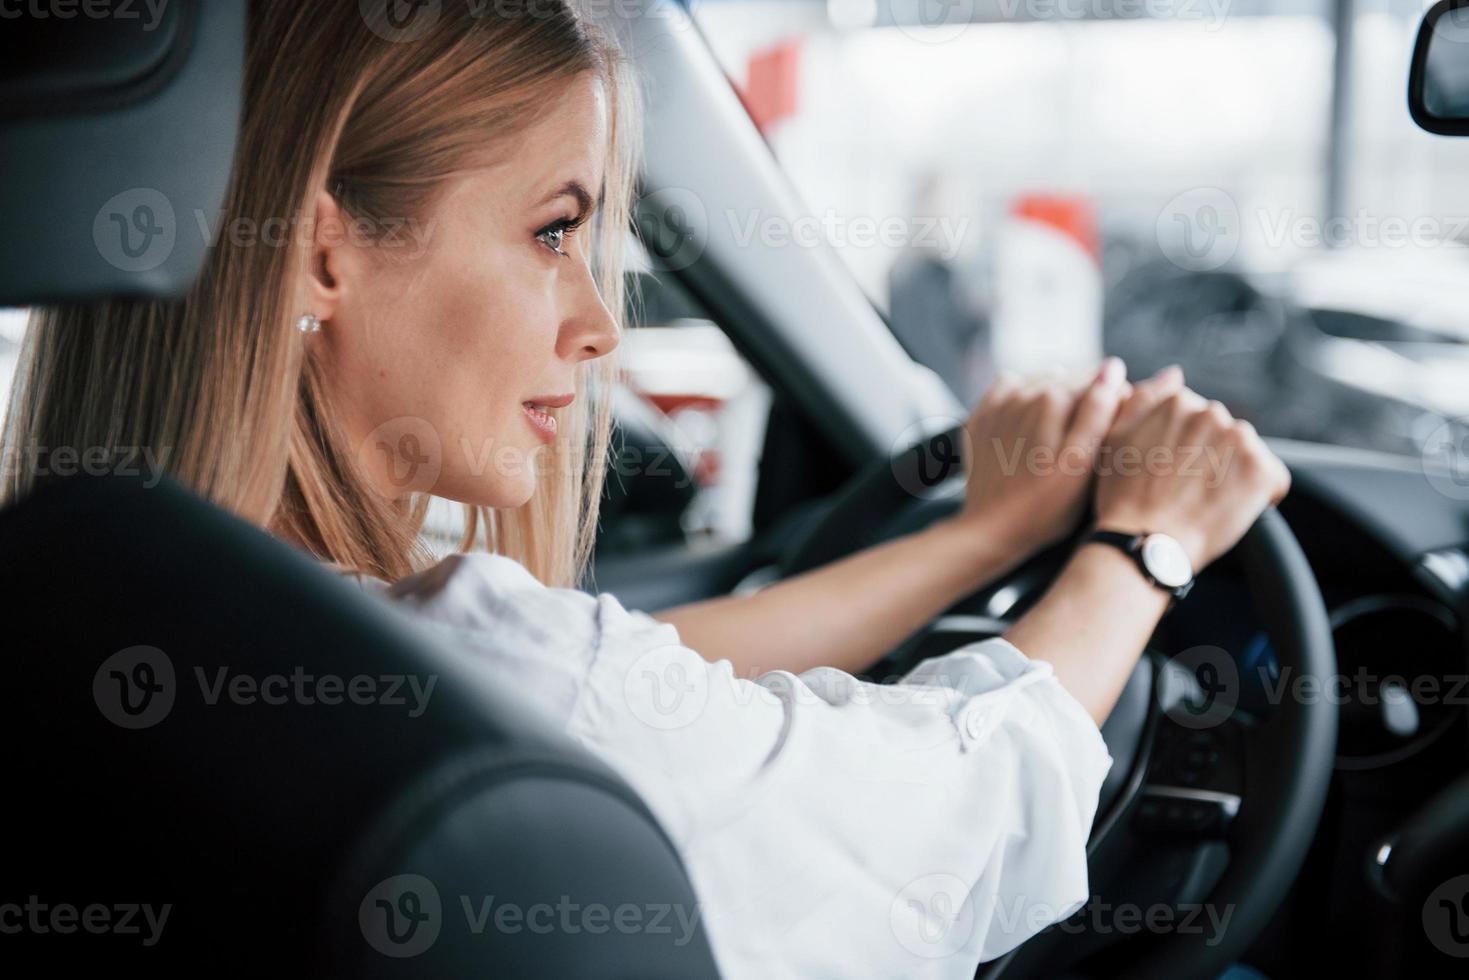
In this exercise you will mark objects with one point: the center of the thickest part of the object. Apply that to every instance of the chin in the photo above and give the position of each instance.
(520, 496)
(507, 494)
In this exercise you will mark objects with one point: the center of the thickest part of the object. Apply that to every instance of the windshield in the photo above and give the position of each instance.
(1237, 188)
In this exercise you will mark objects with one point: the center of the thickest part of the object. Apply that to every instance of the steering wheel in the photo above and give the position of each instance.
(1207, 806)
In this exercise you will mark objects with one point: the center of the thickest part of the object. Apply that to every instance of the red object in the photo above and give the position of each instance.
(1074, 217)
(671, 404)
(774, 74)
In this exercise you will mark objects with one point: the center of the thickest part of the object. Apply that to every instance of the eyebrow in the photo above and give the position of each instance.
(574, 189)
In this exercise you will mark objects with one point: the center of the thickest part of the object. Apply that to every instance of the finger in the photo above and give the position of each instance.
(985, 417)
(1200, 426)
(1111, 368)
(1049, 411)
(999, 389)
(1098, 406)
(1078, 380)
(1146, 396)
(1280, 478)
(1178, 412)
(1282, 486)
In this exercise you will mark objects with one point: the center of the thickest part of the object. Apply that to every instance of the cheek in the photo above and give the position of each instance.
(497, 333)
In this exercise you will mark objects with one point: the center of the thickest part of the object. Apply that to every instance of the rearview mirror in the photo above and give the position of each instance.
(1438, 82)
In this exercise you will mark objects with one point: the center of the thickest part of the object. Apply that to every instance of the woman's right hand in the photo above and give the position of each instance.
(1182, 465)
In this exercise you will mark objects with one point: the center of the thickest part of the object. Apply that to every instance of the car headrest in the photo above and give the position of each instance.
(118, 124)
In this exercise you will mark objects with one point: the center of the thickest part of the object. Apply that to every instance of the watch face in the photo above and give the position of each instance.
(1166, 561)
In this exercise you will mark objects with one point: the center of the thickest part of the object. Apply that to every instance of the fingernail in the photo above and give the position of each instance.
(1169, 373)
(1113, 371)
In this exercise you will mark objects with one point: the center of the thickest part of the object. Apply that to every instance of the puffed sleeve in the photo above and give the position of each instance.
(833, 828)
(839, 828)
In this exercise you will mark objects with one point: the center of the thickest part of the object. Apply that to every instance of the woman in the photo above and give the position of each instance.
(323, 383)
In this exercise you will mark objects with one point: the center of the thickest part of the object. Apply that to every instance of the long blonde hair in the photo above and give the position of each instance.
(217, 385)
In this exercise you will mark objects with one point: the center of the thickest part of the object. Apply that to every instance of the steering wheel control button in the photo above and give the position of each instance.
(1184, 812)
(1197, 757)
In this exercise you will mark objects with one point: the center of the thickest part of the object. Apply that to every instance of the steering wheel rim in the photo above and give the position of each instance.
(1288, 754)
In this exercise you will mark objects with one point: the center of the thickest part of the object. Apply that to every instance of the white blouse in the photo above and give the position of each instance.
(832, 827)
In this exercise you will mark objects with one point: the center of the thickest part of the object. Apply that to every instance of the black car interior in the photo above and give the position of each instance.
(362, 841)
(321, 843)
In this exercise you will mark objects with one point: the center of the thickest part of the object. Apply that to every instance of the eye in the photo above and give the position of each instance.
(554, 235)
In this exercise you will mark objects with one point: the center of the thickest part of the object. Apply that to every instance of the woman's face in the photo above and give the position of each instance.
(436, 360)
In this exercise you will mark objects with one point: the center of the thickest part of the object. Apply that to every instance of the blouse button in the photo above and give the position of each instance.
(974, 725)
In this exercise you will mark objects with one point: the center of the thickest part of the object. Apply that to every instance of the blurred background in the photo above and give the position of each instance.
(1231, 185)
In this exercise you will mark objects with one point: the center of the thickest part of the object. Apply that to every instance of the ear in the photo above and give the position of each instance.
(328, 274)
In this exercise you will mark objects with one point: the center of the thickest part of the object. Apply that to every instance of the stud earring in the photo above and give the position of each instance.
(309, 323)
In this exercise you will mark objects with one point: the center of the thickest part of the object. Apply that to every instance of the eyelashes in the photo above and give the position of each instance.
(554, 235)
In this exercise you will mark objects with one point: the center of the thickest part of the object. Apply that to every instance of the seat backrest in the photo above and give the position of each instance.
(257, 768)
(222, 760)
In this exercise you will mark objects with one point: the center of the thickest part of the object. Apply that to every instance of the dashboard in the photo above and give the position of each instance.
(1386, 537)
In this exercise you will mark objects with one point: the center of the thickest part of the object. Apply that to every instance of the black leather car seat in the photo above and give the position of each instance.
(223, 760)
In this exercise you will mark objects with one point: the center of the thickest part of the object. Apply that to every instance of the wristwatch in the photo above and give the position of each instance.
(1161, 558)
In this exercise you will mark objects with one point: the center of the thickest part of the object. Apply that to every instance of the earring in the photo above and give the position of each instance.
(309, 323)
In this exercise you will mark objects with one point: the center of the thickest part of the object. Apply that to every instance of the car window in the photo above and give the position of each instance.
(12, 331)
(1038, 183)
(684, 378)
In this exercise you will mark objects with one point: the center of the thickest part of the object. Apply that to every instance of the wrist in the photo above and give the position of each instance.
(1181, 531)
(1122, 576)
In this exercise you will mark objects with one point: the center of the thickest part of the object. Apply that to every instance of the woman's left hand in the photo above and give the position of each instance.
(1030, 455)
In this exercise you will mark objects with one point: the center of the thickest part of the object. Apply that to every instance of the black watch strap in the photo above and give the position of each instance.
(1132, 544)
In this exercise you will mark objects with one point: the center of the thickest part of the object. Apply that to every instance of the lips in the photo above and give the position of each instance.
(536, 412)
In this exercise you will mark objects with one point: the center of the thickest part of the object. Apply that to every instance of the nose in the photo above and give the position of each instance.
(589, 330)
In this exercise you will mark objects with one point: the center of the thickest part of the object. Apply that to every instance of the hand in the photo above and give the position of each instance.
(1182, 465)
(1030, 452)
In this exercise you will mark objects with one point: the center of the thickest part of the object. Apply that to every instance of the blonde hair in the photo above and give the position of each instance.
(217, 384)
